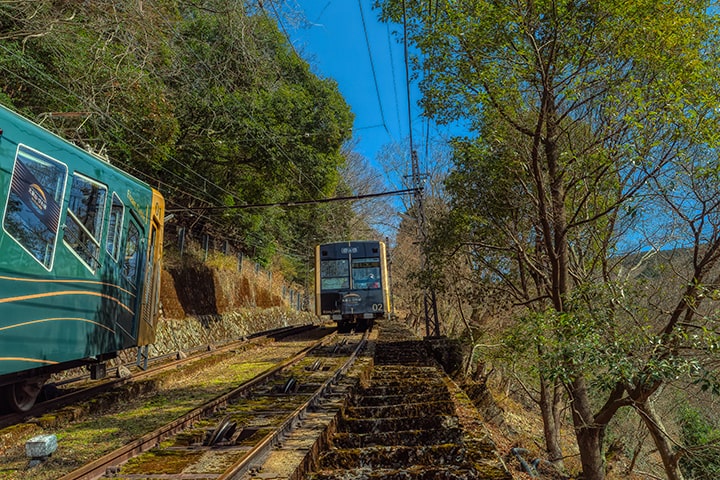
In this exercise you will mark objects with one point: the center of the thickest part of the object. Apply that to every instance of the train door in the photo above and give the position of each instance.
(332, 279)
(151, 289)
(150, 307)
(131, 272)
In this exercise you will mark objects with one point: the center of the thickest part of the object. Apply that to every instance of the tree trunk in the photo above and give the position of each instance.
(590, 445)
(588, 433)
(657, 431)
(550, 410)
(551, 426)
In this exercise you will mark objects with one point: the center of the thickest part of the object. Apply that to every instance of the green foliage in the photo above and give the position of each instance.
(273, 131)
(206, 100)
(595, 126)
(579, 111)
(701, 439)
(584, 341)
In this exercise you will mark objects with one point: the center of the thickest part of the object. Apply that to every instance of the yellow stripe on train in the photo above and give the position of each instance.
(21, 359)
(48, 280)
(61, 319)
(68, 292)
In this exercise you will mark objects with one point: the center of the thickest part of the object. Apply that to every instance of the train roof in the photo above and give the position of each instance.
(367, 248)
(63, 150)
(351, 242)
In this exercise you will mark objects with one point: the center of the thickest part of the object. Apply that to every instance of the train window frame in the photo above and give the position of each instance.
(130, 268)
(369, 269)
(332, 277)
(115, 227)
(86, 244)
(33, 201)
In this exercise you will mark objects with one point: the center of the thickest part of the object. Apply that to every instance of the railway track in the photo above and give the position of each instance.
(227, 437)
(79, 389)
(138, 415)
(393, 415)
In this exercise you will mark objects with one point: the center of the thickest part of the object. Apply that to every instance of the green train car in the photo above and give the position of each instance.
(80, 251)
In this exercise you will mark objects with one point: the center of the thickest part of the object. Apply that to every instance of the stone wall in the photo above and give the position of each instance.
(209, 302)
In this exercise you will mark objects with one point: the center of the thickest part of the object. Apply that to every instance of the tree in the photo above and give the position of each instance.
(205, 100)
(702, 436)
(412, 271)
(599, 98)
(273, 131)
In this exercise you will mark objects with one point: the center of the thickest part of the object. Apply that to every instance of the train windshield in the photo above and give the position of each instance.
(334, 274)
(366, 273)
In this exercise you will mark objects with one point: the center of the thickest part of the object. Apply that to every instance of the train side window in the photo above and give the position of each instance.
(32, 213)
(83, 224)
(114, 236)
(131, 257)
(334, 274)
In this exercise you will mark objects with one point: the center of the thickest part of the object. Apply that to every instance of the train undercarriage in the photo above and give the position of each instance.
(355, 324)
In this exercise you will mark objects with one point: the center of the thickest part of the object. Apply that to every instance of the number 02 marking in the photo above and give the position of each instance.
(377, 307)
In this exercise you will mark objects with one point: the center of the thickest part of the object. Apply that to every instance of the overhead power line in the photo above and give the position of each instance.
(372, 67)
(293, 204)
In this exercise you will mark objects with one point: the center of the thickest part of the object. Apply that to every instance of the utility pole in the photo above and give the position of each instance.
(432, 321)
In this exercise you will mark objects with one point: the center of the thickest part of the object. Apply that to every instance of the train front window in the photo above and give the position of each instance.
(32, 214)
(334, 274)
(83, 224)
(366, 273)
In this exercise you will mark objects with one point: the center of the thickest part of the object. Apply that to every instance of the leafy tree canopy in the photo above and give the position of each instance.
(205, 100)
(593, 120)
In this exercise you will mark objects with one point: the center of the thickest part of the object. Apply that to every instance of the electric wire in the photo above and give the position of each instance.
(132, 169)
(407, 78)
(282, 26)
(186, 167)
(97, 110)
(287, 157)
(392, 72)
(204, 180)
(181, 179)
(298, 203)
(372, 67)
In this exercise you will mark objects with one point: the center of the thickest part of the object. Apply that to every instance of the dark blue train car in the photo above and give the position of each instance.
(352, 283)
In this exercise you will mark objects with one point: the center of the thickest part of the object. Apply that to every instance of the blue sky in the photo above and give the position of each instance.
(367, 62)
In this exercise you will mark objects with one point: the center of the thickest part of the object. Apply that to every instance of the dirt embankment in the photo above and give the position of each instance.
(207, 302)
(194, 288)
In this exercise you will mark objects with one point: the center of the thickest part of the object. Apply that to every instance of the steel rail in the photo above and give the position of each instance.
(99, 467)
(105, 385)
(241, 467)
(197, 351)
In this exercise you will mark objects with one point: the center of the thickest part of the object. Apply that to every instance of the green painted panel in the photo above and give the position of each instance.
(55, 304)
